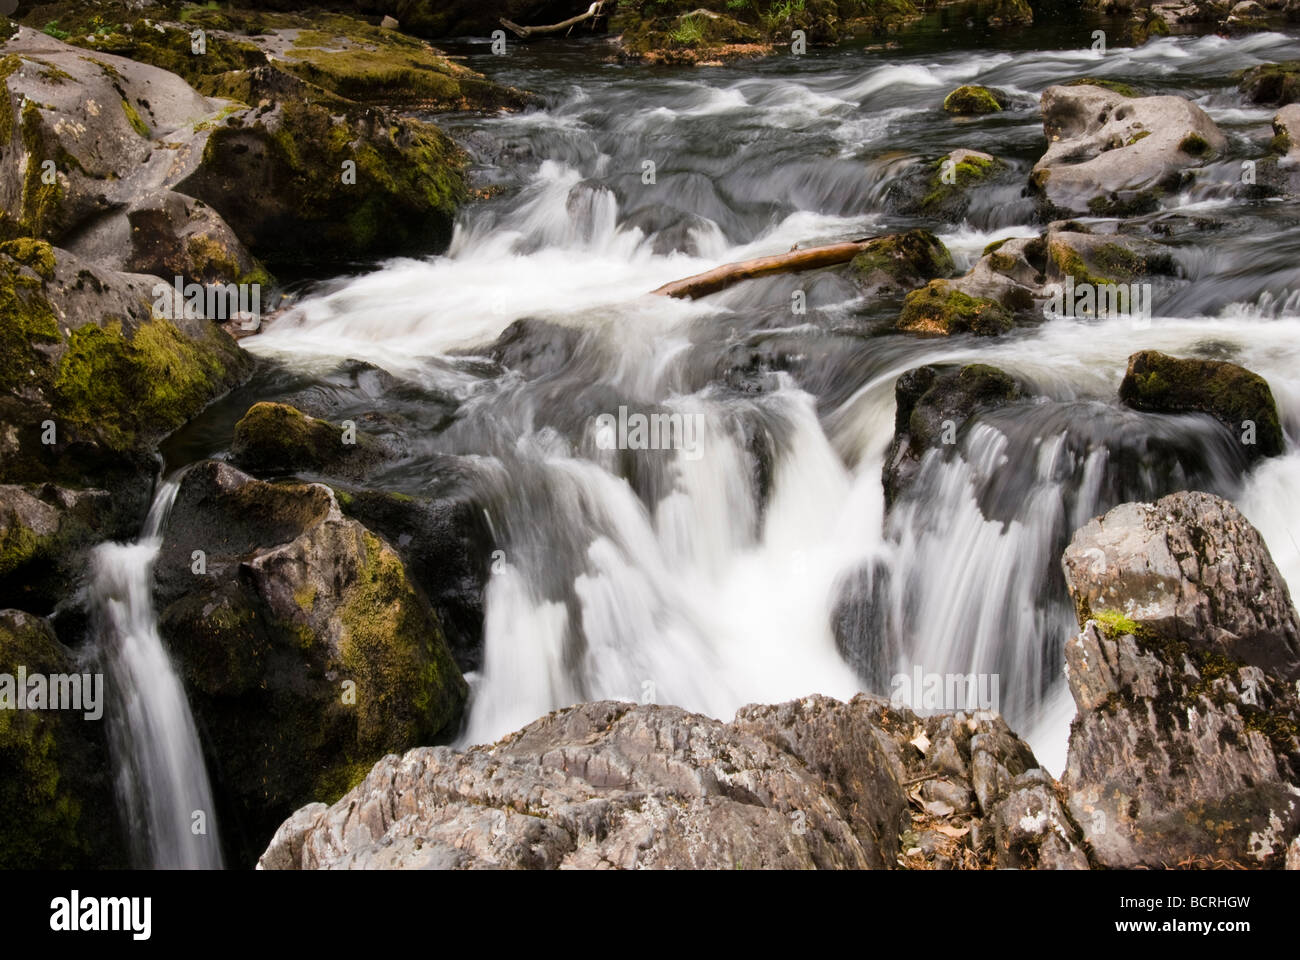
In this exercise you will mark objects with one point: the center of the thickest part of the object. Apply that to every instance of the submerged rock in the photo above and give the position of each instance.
(942, 189)
(810, 783)
(1185, 748)
(306, 650)
(1236, 397)
(1109, 154)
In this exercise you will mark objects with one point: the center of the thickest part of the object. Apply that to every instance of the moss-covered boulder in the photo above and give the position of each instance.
(1241, 400)
(932, 406)
(942, 188)
(306, 649)
(274, 438)
(1275, 83)
(91, 379)
(973, 100)
(1278, 172)
(302, 184)
(1099, 259)
(55, 783)
(892, 265)
(941, 308)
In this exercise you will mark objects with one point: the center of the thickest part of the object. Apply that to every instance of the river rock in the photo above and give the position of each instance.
(1184, 749)
(893, 265)
(305, 648)
(1239, 399)
(91, 380)
(1279, 172)
(942, 188)
(275, 438)
(971, 100)
(1275, 83)
(932, 405)
(810, 783)
(1114, 155)
(1190, 568)
(55, 785)
(45, 534)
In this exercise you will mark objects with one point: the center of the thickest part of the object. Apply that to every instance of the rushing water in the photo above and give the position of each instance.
(715, 580)
(161, 780)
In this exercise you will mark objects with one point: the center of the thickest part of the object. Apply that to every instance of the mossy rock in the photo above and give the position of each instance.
(900, 261)
(55, 786)
(279, 181)
(1274, 83)
(940, 309)
(1101, 260)
(1158, 383)
(274, 438)
(927, 401)
(307, 650)
(973, 100)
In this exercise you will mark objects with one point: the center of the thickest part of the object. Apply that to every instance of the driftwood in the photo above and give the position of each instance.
(719, 278)
(517, 30)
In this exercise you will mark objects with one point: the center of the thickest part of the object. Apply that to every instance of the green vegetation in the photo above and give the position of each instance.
(939, 308)
(972, 100)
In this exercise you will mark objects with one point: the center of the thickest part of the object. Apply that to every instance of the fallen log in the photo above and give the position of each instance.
(520, 31)
(719, 278)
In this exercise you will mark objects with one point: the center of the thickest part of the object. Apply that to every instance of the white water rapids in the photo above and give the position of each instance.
(676, 579)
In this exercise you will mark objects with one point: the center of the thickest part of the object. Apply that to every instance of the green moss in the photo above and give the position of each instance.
(970, 100)
(1115, 86)
(969, 172)
(337, 780)
(27, 319)
(1140, 135)
(1194, 145)
(407, 683)
(1107, 264)
(209, 260)
(133, 118)
(130, 391)
(36, 254)
(1276, 83)
(8, 65)
(993, 247)
(939, 308)
(41, 200)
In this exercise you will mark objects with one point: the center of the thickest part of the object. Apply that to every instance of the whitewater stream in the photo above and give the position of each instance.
(759, 566)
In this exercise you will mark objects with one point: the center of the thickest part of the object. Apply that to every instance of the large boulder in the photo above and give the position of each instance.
(810, 783)
(1113, 155)
(306, 649)
(91, 379)
(1239, 399)
(1185, 747)
(55, 785)
(274, 438)
(46, 532)
(1277, 83)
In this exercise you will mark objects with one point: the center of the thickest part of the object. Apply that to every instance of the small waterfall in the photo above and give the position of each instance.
(160, 777)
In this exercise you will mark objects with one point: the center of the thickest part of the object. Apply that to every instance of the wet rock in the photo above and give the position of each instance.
(1185, 747)
(1236, 397)
(972, 100)
(1276, 83)
(46, 532)
(275, 438)
(942, 308)
(55, 786)
(932, 405)
(942, 189)
(1279, 172)
(1114, 155)
(1102, 259)
(306, 650)
(1032, 829)
(892, 265)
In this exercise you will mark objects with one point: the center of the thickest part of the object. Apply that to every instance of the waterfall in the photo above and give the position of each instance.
(161, 781)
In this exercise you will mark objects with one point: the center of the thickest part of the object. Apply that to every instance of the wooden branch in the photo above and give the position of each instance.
(517, 30)
(719, 278)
